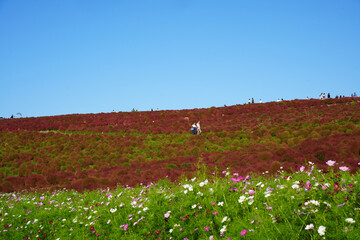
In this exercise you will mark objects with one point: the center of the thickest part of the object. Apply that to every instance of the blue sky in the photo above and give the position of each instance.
(70, 56)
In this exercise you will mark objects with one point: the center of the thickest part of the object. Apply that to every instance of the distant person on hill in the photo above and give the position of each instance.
(278, 100)
(328, 95)
(260, 101)
(198, 129)
(252, 100)
(193, 128)
(355, 94)
(249, 101)
(12, 116)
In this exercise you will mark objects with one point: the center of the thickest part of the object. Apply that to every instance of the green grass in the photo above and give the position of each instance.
(210, 206)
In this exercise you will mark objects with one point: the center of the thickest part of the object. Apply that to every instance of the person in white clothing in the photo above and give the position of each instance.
(198, 129)
(193, 128)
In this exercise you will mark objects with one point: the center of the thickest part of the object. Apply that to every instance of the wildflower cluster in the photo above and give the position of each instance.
(308, 204)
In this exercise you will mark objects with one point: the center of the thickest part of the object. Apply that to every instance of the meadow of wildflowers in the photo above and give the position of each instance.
(89, 151)
(307, 204)
(143, 175)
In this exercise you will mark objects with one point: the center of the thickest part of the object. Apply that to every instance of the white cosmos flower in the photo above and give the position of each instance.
(242, 199)
(112, 210)
(309, 227)
(350, 220)
(225, 219)
(322, 230)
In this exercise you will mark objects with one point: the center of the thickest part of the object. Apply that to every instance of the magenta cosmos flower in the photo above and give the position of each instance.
(244, 232)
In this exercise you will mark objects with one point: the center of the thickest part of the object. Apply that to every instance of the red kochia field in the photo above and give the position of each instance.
(88, 151)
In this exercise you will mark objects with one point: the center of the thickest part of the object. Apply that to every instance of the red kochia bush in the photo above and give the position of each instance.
(243, 137)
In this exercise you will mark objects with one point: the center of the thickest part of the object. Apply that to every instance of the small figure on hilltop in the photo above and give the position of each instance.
(12, 116)
(198, 129)
(252, 100)
(260, 101)
(193, 128)
(249, 101)
(355, 94)
(328, 95)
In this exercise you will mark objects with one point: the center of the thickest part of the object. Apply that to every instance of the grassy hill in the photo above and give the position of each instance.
(86, 151)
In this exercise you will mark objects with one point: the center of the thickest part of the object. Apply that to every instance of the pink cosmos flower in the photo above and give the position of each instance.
(126, 227)
(331, 163)
(207, 228)
(215, 212)
(213, 203)
(251, 192)
(244, 232)
(238, 179)
(167, 215)
(302, 168)
(344, 168)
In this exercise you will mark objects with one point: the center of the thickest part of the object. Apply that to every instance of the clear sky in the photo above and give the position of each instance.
(72, 56)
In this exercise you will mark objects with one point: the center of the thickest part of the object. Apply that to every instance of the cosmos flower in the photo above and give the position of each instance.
(242, 199)
(309, 227)
(331, 163)
(322, 230)
(225, 219)
(167, 215)
(344, 168)
(244, 232)
(350, 220)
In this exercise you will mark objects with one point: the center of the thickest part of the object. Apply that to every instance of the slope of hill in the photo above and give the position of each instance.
(97, 150)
